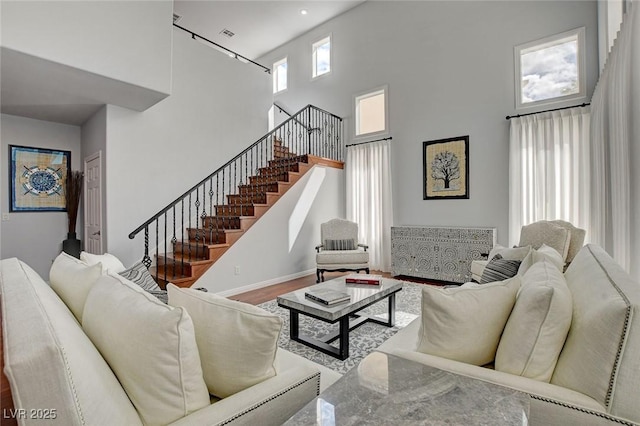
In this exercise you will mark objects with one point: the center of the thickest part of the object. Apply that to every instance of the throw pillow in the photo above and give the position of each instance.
(537, 328)
(543, 253)
(109, 261)
(150, 346)
(499, 269)
(237, 341)
(347, 244)
(515, 253)
(139, 274)
(465, 323)
(72, 279)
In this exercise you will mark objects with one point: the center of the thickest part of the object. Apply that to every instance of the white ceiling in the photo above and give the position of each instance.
(45, 90)
(259, 26)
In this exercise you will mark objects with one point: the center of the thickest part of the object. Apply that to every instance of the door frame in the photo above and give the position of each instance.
(88, 159)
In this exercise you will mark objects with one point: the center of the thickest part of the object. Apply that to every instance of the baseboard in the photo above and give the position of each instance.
(250, 287)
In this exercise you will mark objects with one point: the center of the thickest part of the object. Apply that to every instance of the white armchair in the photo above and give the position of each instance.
(561, 235)
(339, 249)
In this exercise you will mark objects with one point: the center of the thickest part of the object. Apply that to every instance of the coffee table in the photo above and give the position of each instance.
(388, 390)
(345, 313)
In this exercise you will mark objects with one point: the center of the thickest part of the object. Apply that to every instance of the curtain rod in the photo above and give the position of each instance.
(377, 140)
(548, 110)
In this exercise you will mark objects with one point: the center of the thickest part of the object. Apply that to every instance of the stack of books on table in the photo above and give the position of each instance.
(363, 279)
(327, 296)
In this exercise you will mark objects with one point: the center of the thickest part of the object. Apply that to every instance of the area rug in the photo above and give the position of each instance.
(362, 341)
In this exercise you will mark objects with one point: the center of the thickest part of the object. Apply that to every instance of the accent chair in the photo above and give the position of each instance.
(339, 249)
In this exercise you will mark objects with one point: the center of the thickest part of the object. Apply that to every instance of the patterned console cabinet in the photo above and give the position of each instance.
(439, 253)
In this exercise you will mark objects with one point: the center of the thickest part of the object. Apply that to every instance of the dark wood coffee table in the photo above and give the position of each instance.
(345, 313)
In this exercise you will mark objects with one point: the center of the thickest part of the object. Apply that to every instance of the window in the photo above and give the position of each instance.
(280, 75)
(371, 112)
(551, 70)
(321, 57)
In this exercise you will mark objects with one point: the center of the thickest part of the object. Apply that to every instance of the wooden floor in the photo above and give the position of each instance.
(255, 297)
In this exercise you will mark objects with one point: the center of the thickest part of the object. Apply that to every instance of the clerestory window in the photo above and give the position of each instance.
(280, 75)
(321, 57)
(551, 70)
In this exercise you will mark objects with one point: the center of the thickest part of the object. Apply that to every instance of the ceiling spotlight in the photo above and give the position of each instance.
(303, 11)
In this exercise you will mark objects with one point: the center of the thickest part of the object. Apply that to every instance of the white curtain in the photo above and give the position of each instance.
(549, 169)
(611, 138)
(368, 169)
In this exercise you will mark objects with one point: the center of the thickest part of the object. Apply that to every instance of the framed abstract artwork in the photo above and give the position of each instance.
(446, 168)
(37, 179)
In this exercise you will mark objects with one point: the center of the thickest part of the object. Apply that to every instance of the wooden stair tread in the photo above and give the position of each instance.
(170, 258)
(229, 231)
(200, 244)
(243, 205)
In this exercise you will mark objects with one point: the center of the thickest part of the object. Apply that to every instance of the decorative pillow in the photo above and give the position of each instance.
(543, 232)
(72, 279)
(499, 269)
(515, 253)
(465, 323)
(543, 253)
(161, 295)
(139, 274)
(237, 341)
(537, 328)
(347, 244)
(150, 346)
(109, 261)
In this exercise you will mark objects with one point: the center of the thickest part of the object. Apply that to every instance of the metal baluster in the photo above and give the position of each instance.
(174, 240)
(189, 228)
(165, 247)
(157, 245)
(210, 214)
(182, 235)
(217, 202)
(146, 260)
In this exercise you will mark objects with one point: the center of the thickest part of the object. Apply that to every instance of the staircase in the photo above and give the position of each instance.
(192, 233)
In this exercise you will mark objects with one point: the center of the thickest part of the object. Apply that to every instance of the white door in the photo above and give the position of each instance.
(93, 203)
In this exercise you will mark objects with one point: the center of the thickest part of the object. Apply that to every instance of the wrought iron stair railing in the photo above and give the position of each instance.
(190, 228)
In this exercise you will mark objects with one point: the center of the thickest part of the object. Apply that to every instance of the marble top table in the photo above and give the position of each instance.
(362, 295)
(388, 390)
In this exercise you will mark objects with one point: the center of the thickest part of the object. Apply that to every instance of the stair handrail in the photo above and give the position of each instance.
(135, 232)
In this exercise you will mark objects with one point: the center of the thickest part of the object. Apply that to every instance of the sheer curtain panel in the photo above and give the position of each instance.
(612, 135)
(549, 169)
(368, 168)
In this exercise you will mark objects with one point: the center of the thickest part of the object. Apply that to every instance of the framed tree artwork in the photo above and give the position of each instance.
(37, 179)
(446, 168)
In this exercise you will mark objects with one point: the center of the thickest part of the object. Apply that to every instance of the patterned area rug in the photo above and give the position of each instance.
(362, 340)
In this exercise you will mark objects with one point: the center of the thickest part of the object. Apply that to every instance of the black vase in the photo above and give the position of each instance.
(71, 245)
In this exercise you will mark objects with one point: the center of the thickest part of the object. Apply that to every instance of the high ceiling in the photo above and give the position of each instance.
(258, 26)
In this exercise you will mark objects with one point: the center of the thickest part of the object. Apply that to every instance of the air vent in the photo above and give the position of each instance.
(227, 33)
(176, 18)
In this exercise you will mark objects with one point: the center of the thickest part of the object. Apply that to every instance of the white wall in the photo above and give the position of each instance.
(35, 237)
(218, 107)
(635, 152)
(280, 245)
(450, 71)
(94, 140)
(129, 41)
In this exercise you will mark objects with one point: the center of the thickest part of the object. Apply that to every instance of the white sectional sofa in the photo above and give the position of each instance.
(596, 380)
(57, 373)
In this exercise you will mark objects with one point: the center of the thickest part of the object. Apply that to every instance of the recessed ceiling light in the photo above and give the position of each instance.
(303, 11)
